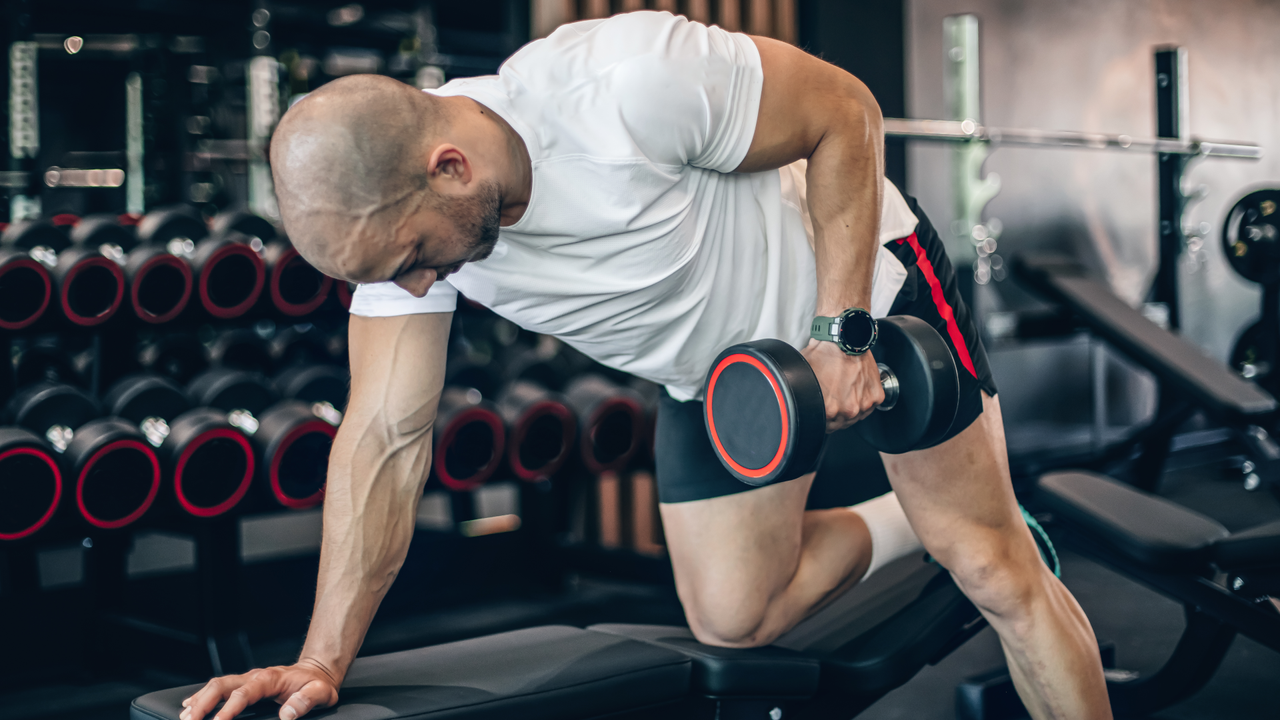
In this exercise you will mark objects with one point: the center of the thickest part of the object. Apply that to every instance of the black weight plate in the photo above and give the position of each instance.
(764, 412)
(1256, 354)
(929, 387)
(1251, 236)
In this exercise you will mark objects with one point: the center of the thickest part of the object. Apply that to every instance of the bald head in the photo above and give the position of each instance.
(349, 163)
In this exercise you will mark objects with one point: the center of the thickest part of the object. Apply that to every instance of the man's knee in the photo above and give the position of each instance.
(727, 621)
(1001, 572)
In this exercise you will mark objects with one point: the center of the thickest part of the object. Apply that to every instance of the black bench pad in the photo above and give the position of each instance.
(720, 672)
(1173, 359)
(1256, 547)
(922, 632)
(1147, 529)
(545, 672)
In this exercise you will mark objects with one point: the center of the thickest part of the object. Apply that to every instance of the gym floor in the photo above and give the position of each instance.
(1143, 625)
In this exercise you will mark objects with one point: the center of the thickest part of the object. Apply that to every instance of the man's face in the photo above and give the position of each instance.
(439, 238)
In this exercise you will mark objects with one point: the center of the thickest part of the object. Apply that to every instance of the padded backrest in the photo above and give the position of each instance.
(1256, 547)
(720, 672)
(1174, 360)
(1144, 528)
(545, 672)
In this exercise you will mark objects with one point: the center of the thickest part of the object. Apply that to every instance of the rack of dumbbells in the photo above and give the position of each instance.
(166, 373)
(175, 367)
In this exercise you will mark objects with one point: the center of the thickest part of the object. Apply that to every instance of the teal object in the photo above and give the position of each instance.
(1047, 552)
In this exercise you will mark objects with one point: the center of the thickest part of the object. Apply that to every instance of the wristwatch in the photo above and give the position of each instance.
(854, 330)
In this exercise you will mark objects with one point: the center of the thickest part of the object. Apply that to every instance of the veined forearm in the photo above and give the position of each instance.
(845, 180)
(370, 508)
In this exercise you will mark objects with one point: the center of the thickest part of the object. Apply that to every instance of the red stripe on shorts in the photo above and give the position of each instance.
(940, 300)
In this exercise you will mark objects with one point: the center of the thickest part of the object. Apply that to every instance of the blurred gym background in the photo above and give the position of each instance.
(151, 116)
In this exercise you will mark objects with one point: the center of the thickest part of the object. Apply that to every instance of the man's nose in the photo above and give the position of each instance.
(417, 282)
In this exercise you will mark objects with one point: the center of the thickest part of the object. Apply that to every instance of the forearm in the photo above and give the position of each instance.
(370, 506)
(846, 188)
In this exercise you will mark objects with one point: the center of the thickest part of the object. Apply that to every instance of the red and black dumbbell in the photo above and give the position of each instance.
(292, 437)
(293, 287)
(241, 349)
(227, 271)
(468, 439)
(314, 383)
(88, 286)
(610, 422)
(541, 430)
(766, 416)
(160, 282)
(30, 483)
(209, 462)
(25, 288)
(112, 472)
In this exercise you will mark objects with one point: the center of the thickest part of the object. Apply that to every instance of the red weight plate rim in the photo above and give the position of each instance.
(288, 257)
(80, 267)
(314, 499)
(539, 409)
(259, 280)
(147, 267)
(146, 504)
(711, 418)
(466, 417)
(44, 302)
(57, 491)
(637, 418)
(241, 489)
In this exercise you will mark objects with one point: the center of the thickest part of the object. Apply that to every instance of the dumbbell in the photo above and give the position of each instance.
(766, 417)
(242, 349)
(228, 273)
(541, 429)
(292, 437)
(177, 355)
(210, 462)
(159, 281)
(89, 285)
(314, 383)
(113, 471)
(468, 439)
(293, 287)
(1251, 242)
(610, 422)
(25, 288)
(30, 483)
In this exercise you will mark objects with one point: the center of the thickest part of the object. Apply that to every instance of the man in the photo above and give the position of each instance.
(643, 171)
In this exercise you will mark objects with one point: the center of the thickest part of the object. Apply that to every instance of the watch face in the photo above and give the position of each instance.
(857, 331)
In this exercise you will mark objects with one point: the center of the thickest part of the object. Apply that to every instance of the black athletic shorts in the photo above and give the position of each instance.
(687, 467)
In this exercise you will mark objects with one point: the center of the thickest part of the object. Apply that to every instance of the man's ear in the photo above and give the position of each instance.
(448, 163)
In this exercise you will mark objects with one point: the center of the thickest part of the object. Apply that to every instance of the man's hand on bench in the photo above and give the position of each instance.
(298, 688)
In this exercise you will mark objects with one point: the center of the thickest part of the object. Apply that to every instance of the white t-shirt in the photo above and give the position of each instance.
(640, 247)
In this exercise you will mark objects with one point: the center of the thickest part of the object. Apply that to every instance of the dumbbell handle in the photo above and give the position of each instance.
(889, 382)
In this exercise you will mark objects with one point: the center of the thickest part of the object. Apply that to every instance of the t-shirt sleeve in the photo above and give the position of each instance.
(386, 299)
(691, 95)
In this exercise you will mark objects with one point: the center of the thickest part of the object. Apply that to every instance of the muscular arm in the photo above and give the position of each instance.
(810, 109)
(377, 467)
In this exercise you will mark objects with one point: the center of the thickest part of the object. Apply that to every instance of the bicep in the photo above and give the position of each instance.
(397, 371)
(803, 100)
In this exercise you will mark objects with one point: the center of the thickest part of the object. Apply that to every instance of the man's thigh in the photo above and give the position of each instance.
(720, 532)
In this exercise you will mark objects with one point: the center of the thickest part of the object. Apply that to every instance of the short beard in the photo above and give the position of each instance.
(478, 216)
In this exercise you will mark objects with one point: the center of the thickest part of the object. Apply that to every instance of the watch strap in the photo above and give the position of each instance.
(824, 328)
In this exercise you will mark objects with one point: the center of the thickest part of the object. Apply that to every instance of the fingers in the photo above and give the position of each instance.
(208, 697)
(312, 695)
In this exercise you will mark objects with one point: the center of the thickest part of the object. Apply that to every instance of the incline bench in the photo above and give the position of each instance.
(1227, 582)
(833, 665)
(1188, 378)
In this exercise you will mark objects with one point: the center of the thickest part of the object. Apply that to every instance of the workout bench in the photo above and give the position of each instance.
(1188, 378)
(835, 664)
